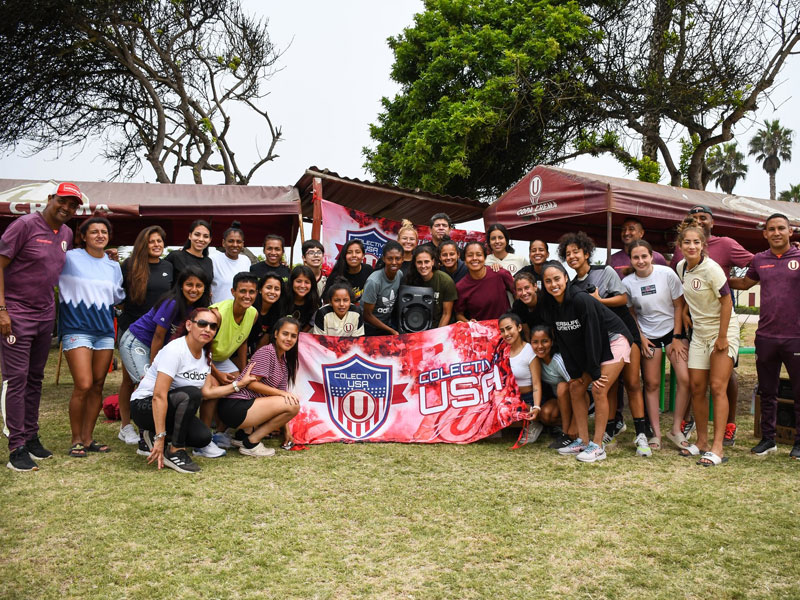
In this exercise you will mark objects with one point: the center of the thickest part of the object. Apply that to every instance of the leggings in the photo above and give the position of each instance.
(183, 425)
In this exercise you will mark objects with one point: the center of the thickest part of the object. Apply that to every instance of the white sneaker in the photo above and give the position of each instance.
(128, 435)
(592, 453)
(534, 431)
(222, 439)
(258, 450)
(210, 451)
(642, 446)
(575, 447)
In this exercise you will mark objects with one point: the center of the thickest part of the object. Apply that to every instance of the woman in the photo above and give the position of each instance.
(227, 264)
(167, 399)
(380, 293)
(269, 304)
(595, 344)
(145, 278)
(408, 238)
(483, 293)
(526, 369)
(556, 401)
(141, 343)
(502, 252)
(423, 273)
(527, 302)
(342, 317)
(656, 301)
(602, 282)
(302, 300)
(262, 403)
(89, 287)
(194, 251)
(350, 265)
(538, 254)
(450, 261)
(715, 338)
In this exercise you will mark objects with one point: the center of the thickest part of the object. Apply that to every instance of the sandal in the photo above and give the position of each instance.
(678, 439)
(709, 459)
(95, 447)
(77, 451)
(689, 451)
(654, 443)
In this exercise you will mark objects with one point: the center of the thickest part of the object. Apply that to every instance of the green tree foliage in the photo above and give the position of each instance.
(156, 80)
(770, 146)
(791, 195)
(490, 88)
(726, 166)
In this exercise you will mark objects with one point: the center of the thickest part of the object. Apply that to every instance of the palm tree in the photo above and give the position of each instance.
(726, 166)
(771, 145)
(792, 194)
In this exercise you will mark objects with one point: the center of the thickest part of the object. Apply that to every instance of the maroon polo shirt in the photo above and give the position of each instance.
(779, 316)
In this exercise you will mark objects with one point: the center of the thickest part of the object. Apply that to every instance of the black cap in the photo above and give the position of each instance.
(700, 209)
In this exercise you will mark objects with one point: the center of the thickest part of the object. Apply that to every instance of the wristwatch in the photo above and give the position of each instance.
(158, 436)
(235, 387)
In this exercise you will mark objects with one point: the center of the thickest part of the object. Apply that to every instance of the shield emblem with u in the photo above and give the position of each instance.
(374, 241)
(358, 394)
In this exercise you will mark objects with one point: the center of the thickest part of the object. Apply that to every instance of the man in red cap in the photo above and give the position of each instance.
(32, 253)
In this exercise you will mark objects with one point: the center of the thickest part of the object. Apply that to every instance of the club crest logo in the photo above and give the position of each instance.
(535, 189)
(349, 328)
(793, 265)
(358, 394)
(373, 240)
(64, 246)
(696, 284)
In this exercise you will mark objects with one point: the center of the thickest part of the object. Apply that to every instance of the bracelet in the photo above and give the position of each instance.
(235, 387)
(159, 436)
(3, 308)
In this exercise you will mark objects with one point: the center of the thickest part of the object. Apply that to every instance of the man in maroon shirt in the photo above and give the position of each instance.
(778, 333)
(727, 253)
(33, 251)
(632, 230)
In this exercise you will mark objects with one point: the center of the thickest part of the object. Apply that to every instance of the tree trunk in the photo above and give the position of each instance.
(772, 193)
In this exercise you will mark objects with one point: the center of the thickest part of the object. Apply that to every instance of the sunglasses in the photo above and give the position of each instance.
(202, 324)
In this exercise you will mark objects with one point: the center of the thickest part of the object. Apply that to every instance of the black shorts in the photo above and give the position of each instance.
(233, 411)
(663, 341)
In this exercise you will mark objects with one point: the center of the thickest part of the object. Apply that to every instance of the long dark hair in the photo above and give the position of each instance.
(340, 266)
(138, 264)
(195, 224)
(281, 299)
(183, 308)
(182, 330)
(413, 277)
(292, 354)
(312, 297)
(502, 229)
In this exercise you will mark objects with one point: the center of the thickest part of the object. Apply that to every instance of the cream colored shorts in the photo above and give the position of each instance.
(700, 350)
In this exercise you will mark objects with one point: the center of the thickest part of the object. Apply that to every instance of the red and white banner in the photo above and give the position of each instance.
(341, 224)
(452, 384)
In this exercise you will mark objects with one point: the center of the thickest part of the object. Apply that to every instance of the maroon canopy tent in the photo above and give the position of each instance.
(133, 206)
(549, 201)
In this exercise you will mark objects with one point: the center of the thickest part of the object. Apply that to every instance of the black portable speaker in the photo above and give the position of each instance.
(415, 308)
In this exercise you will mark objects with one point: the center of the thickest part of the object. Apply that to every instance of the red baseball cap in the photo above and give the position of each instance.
(69, 190)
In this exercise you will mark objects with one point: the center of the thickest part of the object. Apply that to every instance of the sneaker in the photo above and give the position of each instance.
(575, 447)
(619, 427)
(730, 435)
(128, 434)
(257, 450)
(222, 439)
(642, 446)
(764, 447)
(592, 453)
(20, 460)
(210, 451)
(687, 427)
(142, 449)
(562, 441)
(36, 450)
(608, 441)
(180, 461)
(534, 431)
(238, 438)
(795, 453)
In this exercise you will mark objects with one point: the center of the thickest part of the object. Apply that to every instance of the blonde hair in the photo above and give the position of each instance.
(689, 223)
(407, 225)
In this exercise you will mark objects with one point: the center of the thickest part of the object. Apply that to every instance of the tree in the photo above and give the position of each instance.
(156, 80)
(489, 88)
(726, 166)
(770, 146)
(791, 195)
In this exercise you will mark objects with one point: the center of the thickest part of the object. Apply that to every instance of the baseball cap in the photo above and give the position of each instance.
(700, 209)
(67, 190)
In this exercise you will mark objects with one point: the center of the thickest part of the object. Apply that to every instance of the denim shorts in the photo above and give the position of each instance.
(135, 356)
(71, 341)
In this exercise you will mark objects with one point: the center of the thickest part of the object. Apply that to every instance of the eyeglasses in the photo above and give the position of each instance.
(202, 324)
(314, 253)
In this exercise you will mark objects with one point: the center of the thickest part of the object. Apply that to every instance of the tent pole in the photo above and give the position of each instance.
(316, 199)
(608, 236)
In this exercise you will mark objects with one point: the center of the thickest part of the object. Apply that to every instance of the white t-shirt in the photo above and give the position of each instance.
(175, 360)
(225, 270)
(520, 366)
(511, 263)
(652, 298)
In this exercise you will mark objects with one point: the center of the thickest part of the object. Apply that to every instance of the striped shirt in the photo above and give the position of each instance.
(268, 368)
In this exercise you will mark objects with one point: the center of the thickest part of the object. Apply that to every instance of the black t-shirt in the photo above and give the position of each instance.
(260, 270)
(159, 281)
(302, 312)
(529, 317)
(532, 271)
(356, 280)
(263, 324)
(180, 259)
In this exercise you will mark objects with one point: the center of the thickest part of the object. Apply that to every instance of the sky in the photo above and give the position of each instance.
(334, 71)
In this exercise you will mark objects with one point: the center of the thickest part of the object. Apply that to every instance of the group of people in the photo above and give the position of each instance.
(209, 340)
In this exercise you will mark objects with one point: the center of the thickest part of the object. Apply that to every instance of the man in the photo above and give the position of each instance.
(727, 253)
(441, 225)
(313, 253)
(632, 230)
(273, 263)
(778, 333)
(32, 254)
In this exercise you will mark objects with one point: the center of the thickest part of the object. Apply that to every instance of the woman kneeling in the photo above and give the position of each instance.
(262, 403)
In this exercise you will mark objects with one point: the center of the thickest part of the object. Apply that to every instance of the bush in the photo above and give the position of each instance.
(747, 310)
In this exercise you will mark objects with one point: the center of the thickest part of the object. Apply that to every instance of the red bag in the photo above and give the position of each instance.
(111, 407)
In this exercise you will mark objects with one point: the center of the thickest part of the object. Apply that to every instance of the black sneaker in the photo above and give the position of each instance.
(239, 439)
(20, 460)
(561, 441)
(764, 447)
(36, 450)
(180, 461)
(687, 427)
(143, 449)
(795, 453)
(619, 427)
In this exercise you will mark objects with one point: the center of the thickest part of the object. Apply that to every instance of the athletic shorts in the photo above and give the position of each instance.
(81, 340)
(663, 341)
(621, 349)
(233, 411)
(700, 350)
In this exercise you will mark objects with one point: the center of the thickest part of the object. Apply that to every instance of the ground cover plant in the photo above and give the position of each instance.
(400, 521)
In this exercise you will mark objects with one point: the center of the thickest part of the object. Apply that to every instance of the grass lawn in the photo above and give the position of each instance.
(400, 521)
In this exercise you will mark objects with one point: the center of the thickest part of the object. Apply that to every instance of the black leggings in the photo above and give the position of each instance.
(183, 425)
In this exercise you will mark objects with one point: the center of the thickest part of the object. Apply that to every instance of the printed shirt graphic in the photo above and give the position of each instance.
(88, 289)
(780, 282)
(382, 292)
(652, 298)
(327, 322)
(176, 361)
(513, 263)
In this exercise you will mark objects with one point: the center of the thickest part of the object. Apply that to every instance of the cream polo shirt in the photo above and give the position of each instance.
(511, 263)
(703, 286)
